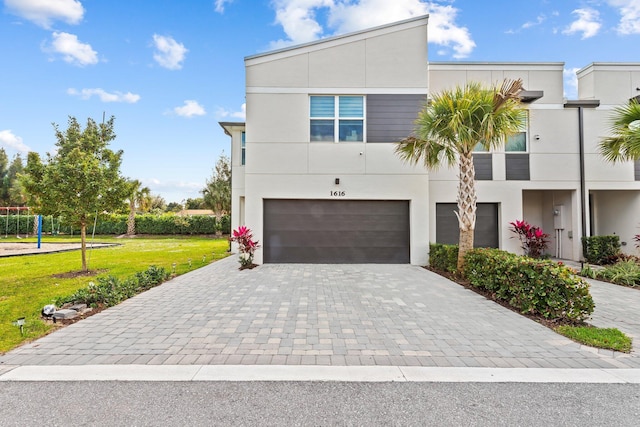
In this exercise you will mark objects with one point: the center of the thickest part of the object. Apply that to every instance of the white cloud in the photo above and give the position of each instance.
(11, 141)
(169, 53)
(72, 50)
(299, 22)
(222, 113)
(630, 16)
(44, 12)
(539, 20)
(189, 109)
(444, 32)
(219, 4)
(588, 23)
(174, 191)
(570, 83)
(130, 98)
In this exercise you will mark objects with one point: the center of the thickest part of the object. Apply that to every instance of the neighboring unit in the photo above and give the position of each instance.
(314, 173)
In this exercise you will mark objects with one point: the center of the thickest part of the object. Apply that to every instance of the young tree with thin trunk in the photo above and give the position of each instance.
(217, 192)
(81, 180)
(448, 129)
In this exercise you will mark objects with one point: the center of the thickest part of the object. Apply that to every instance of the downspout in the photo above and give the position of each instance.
(583, 197)
(581, 105)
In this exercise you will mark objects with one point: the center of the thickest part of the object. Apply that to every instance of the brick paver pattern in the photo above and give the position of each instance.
(301, 314)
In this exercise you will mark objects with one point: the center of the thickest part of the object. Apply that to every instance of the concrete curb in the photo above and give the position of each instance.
(317, 373)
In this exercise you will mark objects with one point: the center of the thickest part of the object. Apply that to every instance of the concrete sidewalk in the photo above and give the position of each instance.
(320, 315)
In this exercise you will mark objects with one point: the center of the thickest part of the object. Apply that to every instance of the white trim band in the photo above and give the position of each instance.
(316, 373)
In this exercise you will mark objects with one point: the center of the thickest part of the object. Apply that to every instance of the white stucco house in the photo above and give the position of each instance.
(314, 173)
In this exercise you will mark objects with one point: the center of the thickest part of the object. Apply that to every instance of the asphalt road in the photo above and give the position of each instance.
(317, 403)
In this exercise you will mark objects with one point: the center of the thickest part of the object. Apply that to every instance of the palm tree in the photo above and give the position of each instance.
(448, 129)
(625, 126)
(140, 197)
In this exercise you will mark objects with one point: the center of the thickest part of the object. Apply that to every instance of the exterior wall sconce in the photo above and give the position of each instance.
(337, 181)
(536, 137)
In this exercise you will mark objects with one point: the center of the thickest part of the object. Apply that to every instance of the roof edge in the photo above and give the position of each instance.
(225, 125)
(337, 37)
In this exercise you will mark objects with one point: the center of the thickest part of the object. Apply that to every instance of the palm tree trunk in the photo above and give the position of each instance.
(466, 207)
(131, 220)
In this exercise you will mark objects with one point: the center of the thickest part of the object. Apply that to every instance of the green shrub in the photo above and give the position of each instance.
(115, 224)
(600, 249)
(13, 225)
(529, 285)
(443, 257)
(224, 225)
(110, 291)
(625, 273)
(589, 272)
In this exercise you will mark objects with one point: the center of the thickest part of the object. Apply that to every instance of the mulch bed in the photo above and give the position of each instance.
(80, 273)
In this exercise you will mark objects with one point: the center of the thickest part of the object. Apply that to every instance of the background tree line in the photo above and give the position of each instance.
(11, 191)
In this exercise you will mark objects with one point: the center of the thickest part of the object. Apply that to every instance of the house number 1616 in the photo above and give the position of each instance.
(338, 193)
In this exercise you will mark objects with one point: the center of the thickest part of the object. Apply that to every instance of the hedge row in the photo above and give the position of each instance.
(529, 285)
(532, 286)
(443, 257)
(117, 224)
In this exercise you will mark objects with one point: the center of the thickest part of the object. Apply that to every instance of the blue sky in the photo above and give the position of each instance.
(170, 70)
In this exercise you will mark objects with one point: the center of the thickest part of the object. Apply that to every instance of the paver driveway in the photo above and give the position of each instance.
(312, 315)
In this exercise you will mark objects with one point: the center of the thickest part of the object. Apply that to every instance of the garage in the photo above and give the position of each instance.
(336, 231)
(486, 232)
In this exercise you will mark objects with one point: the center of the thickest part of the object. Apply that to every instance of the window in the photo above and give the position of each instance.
(518, 143)
(480, 148)
(243, 148)
(337, 118)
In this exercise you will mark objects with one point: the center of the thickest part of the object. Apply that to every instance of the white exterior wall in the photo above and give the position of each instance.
(554, 153)
(614, 192)
(553, 147)
(281, 161)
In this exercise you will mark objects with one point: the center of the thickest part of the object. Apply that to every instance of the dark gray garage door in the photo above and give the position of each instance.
(336, 231)
(486, 234)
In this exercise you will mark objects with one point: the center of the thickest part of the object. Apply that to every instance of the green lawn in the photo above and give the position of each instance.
(27, 285)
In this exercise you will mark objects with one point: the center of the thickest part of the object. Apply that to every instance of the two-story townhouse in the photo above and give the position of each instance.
(316, 178)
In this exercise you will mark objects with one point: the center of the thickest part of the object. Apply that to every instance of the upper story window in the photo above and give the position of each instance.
(516, 143)
(243, 149)
(337, 118)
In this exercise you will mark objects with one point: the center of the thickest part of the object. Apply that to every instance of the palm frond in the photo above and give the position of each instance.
(624, 144)
(509, 91)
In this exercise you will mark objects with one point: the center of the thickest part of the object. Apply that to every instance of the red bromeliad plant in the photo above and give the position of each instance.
(246, 245)
(533, 239)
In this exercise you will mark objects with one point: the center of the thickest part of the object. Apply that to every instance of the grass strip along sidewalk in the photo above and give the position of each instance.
(28, 283)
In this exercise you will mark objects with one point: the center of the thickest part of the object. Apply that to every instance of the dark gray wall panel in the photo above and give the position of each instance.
(336, 231)
(486, 232)
(483, 165)
(637, 170)
(517, 167)
(391, 118)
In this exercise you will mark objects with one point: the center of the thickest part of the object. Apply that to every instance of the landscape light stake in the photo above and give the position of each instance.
(173, 268)
(20, 323)
(204, 259)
